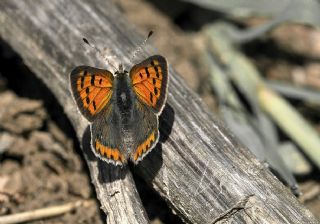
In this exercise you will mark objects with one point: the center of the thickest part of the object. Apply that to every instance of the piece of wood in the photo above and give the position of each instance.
(44, 213)
(198, 167)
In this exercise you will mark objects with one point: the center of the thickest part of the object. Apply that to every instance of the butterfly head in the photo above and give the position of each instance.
(121, 71)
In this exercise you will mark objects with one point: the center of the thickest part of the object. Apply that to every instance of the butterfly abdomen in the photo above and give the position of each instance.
(124, 98)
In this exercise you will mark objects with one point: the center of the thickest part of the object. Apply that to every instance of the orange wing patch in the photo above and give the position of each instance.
(144, 147)
(94, 90)
(109, 153)
(148, 79)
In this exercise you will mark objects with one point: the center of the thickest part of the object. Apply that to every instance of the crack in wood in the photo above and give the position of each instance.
(240, 205)
(114, 193)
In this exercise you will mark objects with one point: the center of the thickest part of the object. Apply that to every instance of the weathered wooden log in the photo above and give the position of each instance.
(198, 167)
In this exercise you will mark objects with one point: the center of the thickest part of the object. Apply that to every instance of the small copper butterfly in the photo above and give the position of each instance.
(123, 108)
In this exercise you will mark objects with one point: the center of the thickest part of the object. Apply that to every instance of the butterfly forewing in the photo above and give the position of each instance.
(149, 81)
(92, 89)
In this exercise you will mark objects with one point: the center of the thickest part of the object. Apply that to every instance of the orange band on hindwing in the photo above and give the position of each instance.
(144, 147)
(109, 153)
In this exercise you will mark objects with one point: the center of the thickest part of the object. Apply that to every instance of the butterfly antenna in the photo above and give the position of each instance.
(105, 58)
(139, 48)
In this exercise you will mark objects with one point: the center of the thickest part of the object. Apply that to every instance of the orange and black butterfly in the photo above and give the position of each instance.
(123, 108)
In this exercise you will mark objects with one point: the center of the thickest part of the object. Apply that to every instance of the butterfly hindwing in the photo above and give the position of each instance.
(146, 133)
(149, 81)
(92, 89)
(106, 138)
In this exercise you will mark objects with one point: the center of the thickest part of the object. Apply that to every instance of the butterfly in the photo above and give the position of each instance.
(123, 108)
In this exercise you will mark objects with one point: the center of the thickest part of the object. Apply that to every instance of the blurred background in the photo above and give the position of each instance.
(256, 65)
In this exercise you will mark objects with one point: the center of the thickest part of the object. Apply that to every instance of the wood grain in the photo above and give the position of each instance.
(203, 173)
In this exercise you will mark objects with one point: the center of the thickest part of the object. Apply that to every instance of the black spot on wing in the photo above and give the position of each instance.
(155, 68)
(92, 79)
(82, 80)
(148, 74)
(151, 97)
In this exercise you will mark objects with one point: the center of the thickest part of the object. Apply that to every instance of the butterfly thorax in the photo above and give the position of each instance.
(124, 98)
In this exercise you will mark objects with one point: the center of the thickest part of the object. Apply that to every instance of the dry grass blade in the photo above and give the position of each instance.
(44, 212)
(291, 122)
